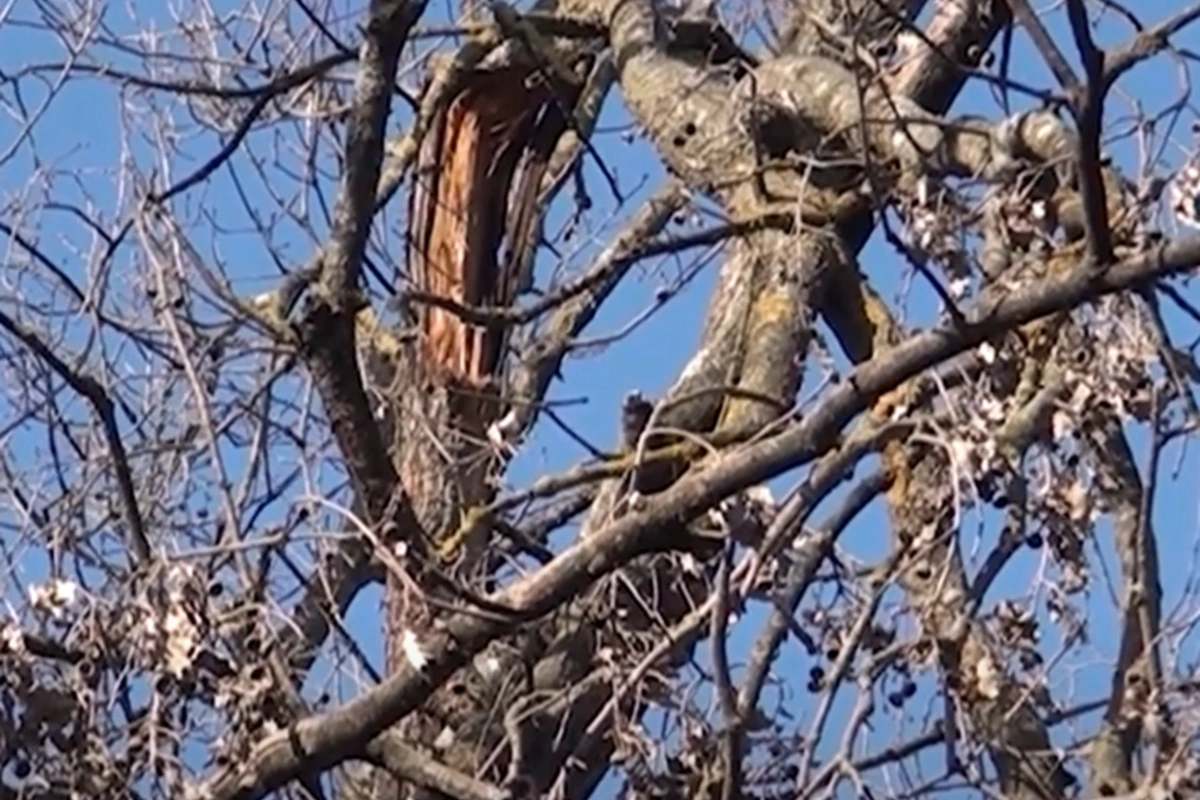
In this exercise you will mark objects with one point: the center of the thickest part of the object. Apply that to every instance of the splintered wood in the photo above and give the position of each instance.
(458, 219)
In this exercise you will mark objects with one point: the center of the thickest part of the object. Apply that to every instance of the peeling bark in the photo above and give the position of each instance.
(463, 177)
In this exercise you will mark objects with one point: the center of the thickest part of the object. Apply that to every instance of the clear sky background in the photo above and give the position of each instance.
(80, 134)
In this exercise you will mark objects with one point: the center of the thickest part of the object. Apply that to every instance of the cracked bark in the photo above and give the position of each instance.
(756, 339)
(487, 145)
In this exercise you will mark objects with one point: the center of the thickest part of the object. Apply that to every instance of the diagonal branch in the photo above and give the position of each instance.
(1147, 43)
(325, 739)
(329, 329)
(387, 28)
(102, 404)
(534, 373)
(390, 751)
(1047, 47)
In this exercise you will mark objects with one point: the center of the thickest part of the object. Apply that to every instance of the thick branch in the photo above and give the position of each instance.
(387, 28)
(323, 740)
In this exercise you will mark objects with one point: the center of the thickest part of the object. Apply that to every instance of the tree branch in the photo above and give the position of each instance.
(325, 739)
(89, 388)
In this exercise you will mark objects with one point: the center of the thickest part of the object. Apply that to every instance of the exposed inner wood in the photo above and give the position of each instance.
(458, 219)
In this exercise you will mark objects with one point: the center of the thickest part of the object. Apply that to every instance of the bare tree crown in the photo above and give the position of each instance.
(296, 304)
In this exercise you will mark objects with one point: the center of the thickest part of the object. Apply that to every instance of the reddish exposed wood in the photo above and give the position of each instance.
(458, 219)
(467, 200)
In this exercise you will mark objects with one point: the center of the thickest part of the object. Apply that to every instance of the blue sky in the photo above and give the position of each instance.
(68, 157)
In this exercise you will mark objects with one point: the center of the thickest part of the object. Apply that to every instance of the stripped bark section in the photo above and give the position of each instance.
(471, 215)
(458, 215)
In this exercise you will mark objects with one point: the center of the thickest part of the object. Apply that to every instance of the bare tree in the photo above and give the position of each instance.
(294, 293)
